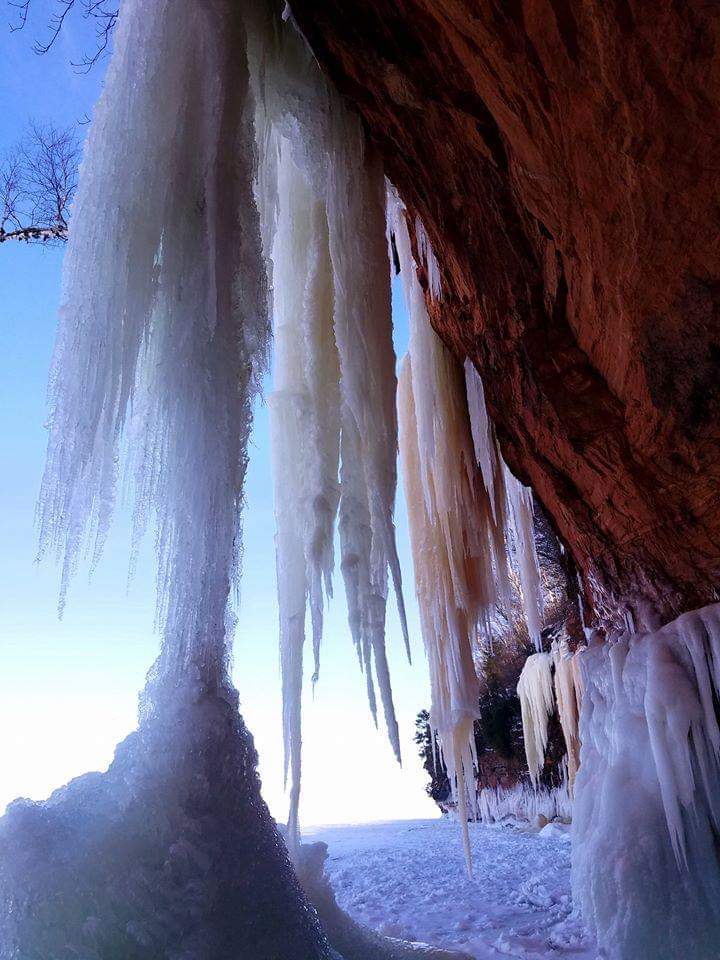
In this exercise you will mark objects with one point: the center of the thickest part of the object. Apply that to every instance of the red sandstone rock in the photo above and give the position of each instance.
(563, 156)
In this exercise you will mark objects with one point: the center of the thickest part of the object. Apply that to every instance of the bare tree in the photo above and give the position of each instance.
(103, 14)
(37, 183)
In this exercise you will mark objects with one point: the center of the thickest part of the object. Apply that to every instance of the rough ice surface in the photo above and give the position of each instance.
(352, 939)
(323, 195)
(646, 871)
(537, 704)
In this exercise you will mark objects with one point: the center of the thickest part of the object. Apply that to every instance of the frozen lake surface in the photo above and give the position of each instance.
(408, 879)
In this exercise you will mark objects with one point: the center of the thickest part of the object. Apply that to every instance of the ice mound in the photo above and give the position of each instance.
(169, 855)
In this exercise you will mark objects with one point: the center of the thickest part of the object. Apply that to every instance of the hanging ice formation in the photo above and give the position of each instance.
(568, 698)
(164, 341)
(646, 794)
(535, 690)
(161, 347)
(507, 491)
(549, 680)
(465, 512)
(333, 403)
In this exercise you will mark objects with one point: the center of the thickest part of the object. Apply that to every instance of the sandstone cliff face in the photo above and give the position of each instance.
(563, 156)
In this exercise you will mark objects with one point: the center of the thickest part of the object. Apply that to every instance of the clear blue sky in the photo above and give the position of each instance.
(68, 690)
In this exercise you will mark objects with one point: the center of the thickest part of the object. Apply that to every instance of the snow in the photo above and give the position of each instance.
(407, 879)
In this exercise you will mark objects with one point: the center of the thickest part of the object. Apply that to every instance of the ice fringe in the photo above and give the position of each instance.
(647, 795)
(523, 802)
(323, 194)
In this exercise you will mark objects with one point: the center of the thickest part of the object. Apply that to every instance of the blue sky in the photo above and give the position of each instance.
(68, 690)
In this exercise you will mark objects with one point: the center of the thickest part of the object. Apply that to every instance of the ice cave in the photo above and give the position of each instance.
(538, 178)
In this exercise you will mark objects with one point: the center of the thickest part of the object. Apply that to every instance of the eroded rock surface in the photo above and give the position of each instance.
(563, 157)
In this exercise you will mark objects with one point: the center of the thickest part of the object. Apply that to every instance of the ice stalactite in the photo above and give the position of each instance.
(459, 554)
(164, 326)
(537, 703)
(324, 197)
(566, 696)
(512, 503)
(646, 794)
(161, 346)
(305, 436)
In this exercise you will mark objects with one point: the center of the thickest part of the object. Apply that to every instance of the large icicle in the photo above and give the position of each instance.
(168, 329)
(535, 690)
(305, 436)
(567, 705)
(647, 792)
(512, 503)
(448, 633)
(323, 192)
(459, 552)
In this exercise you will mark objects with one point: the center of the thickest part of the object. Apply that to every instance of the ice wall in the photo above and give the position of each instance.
(646, 868)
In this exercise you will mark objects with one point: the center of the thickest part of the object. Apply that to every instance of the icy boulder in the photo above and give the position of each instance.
(170, 855)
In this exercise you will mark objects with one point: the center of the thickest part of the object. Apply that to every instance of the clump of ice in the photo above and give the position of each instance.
(646, 871)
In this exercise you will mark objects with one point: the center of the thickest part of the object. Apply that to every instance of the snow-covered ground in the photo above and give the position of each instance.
(408, 879)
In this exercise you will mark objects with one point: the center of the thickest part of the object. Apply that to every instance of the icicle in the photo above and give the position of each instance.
(567, 703)
(535, 690)
(305, 432)
(512, 503)
(323, 193)
(456, 525)
(163, 326)
(521, 509)
(447, 632)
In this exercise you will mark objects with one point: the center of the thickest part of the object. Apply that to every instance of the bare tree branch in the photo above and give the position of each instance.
(103, 12)
(37, 184)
